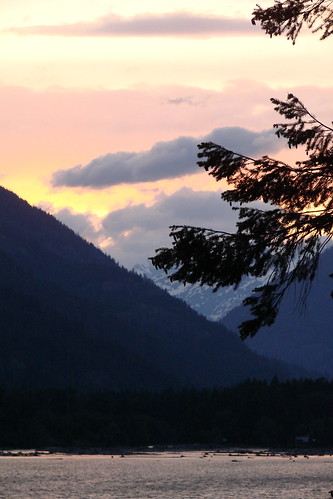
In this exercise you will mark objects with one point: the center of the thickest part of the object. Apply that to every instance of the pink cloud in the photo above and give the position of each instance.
(42, 132)
(55, 129)
(182, 24)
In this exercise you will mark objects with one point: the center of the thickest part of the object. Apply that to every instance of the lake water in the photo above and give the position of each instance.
(166, 476)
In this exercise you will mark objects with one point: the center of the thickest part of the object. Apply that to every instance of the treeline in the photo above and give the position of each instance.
(254, 413)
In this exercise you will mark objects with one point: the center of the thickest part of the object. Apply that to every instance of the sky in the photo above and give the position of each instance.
(103, 104)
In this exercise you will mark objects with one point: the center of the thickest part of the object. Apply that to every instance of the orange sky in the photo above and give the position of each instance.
(88, 85)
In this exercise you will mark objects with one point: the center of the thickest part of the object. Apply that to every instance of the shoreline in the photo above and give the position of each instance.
(158, 450)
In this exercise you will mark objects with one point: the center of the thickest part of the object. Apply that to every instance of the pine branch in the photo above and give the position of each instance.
(282, 244)
(289, 16)
(314, 134)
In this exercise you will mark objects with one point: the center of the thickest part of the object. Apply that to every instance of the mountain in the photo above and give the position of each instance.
(213, 305)
(301, 337)
(71, 317)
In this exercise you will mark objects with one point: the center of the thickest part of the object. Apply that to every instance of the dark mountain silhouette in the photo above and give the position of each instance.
(301, 336)
(70, 316)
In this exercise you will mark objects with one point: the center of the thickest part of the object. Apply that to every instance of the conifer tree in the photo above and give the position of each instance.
(290, 16)
(282, 241)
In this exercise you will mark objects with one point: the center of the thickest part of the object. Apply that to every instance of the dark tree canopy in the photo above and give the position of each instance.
(281, 241)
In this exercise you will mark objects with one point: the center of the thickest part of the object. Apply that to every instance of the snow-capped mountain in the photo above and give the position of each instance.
(213, 305)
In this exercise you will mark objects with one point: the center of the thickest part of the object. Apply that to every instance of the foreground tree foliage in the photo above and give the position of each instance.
(289, 17)
(282, 239)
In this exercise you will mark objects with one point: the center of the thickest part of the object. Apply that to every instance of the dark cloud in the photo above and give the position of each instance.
(183, 207)
(164, 160)
(181, 100)
(132, 234)
(80, 223)
(183, 24)
(136, 231)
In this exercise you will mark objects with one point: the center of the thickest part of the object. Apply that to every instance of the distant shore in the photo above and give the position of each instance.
(151, 450)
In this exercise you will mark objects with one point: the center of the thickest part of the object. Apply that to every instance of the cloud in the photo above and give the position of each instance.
(87, 225)
(165, 160)
(177, 24)
(135, 232)
(181, 100)
(132, 234)
(81, 223)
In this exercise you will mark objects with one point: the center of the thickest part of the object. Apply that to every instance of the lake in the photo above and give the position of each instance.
(166, 475)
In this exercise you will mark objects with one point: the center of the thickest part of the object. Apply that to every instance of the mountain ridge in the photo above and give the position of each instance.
(303, 336)
(71, 316)
(213, 305)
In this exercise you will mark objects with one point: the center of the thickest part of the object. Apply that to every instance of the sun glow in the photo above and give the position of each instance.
(66, 100)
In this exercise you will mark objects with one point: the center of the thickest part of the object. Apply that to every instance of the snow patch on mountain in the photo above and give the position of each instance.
(213, 305)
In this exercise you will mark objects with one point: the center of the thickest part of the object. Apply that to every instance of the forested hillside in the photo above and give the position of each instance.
(71, 317)
(254, 413)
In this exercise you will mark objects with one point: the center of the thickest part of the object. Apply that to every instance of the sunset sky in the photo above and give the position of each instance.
(103, 104)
